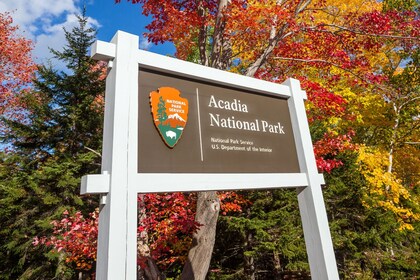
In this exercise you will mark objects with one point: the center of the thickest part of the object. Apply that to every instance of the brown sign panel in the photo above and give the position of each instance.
(228, 130)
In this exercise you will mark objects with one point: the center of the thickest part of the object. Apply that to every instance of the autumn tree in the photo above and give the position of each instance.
(331, 46)
(58, 141)
(16, 69)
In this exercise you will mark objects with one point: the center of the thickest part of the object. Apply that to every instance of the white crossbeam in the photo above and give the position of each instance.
(103, 51)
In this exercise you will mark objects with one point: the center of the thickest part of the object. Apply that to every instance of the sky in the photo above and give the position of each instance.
(42, 21)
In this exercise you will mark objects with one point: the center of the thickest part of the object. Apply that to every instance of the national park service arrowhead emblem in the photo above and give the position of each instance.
(170, 114)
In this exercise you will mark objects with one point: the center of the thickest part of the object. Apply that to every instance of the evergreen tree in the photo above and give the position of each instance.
(58, 142)
(367, 241)
(264, 242)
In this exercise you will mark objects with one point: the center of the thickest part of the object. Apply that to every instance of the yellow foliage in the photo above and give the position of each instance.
(384, 189)
(334, 11)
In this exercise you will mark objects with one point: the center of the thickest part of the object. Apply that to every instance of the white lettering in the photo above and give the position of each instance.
(234, 105)
(212, 102)
(171, 101)
(272, 128)
(264, 125)
(215, 119)
(231, 122)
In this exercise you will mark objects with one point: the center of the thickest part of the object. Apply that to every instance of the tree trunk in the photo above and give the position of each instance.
(393, 137)
(277, 262)
(202, 36)
(217, 52)
(249, 267)
(199, 256)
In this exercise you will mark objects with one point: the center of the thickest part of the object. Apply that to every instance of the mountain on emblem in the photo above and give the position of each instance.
(170, 114)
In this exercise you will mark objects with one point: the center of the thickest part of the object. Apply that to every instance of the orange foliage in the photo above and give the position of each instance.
(16, 68)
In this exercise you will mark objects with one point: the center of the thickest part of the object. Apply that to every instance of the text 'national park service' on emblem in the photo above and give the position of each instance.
(170, 113)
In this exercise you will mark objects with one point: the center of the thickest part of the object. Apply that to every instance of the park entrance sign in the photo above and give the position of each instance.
(172, 125)
(215, 129)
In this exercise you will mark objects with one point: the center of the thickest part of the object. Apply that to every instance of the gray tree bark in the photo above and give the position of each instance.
(199, 256)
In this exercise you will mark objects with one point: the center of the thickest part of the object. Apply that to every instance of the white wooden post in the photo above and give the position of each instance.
(311, 203)
(116, 219)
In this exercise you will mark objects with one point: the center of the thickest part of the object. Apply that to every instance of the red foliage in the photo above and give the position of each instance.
(166, 228)
(16, 68)
(75, 236)
(329, 147)
(232, 202)
(325, 103)
(168, 223)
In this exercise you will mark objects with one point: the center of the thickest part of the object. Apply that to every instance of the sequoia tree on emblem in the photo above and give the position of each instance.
(170, 114)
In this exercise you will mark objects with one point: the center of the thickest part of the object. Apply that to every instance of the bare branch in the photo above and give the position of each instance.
(302, 6)
(367, 34)
(252, 69)
(93, 151)
(322, 61)
(276, 35)
(409, 101)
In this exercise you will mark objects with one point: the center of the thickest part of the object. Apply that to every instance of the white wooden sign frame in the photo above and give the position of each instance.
(120, 182)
